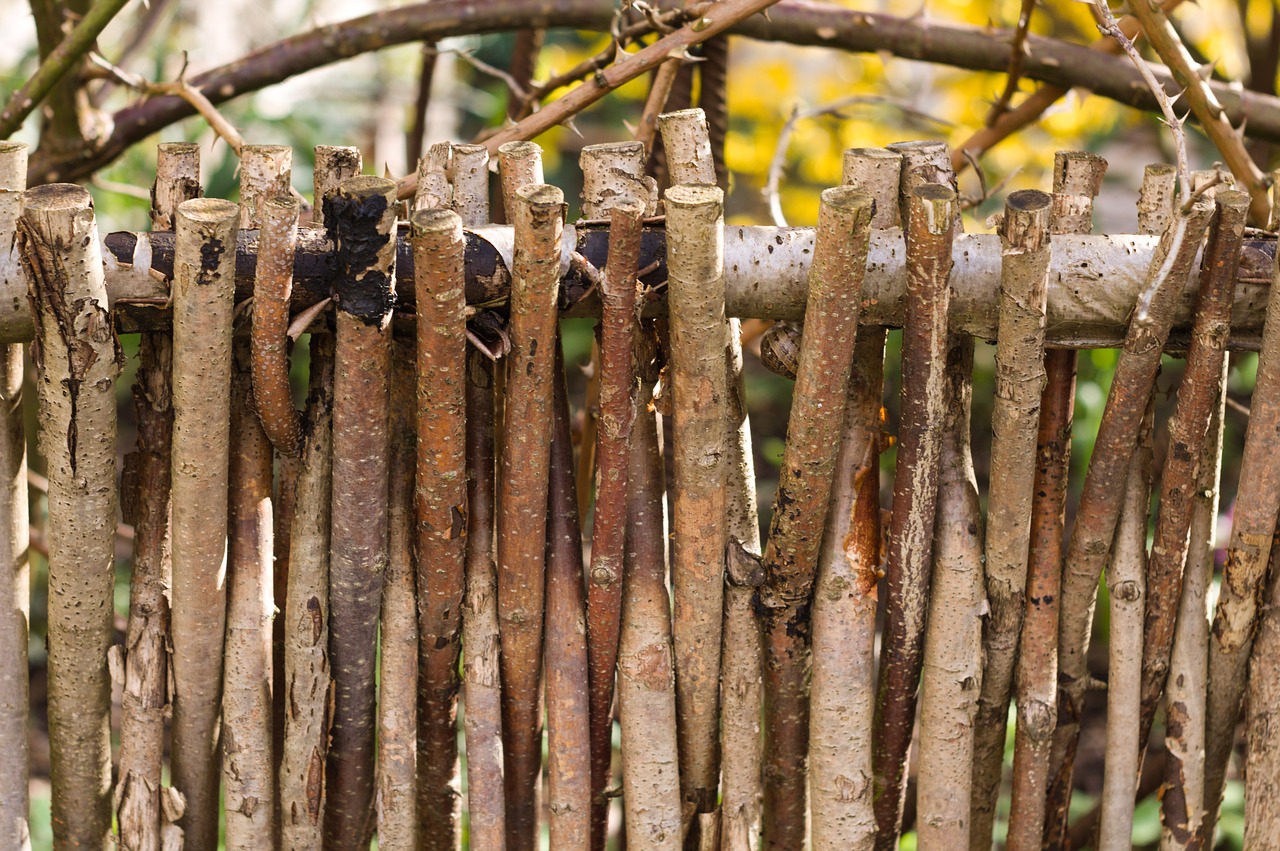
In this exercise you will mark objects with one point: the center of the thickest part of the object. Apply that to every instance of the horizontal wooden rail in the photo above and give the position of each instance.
(1094, 283)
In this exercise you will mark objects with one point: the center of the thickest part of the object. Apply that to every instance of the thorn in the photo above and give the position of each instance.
(765, 14)
(1205, 71)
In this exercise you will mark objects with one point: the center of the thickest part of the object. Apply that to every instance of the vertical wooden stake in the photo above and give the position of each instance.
(15, 531)
(361, 218)
(471, 184)
(440, 505)
(537, 212)
(842, 693)
(77, 362)
(203, 296)
(931, 222)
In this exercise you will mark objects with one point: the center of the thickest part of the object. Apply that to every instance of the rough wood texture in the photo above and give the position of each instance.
(646, 673)
(471, 184)
(266, 172)
(203, 293)
(537, 211)
(248, 758)
(790, 558)
(1126, 587)
(440, 506)
(952, 674)
(930, 228)
(361, 217)
(334, 164)
(277, 241)
(1188, 430)
(399, 819)
(15, 534)
(618, 388)
(699, 385)
(569, 757)
(1182, 799)
(77, 363)
(1037, 671)
(481, 686)
(1103, 491)
(307, 686)
(1019, 380)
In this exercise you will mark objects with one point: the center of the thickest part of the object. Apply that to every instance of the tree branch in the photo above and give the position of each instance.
(801, 22)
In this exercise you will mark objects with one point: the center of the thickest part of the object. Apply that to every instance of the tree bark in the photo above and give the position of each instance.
(15, 534)
(537, 212)
(361, 216)
(1188, 430)
(699, 385)
(569, 759)
(248, 759)
(202, 309)
(931, 221)
(307, 688)
(952, 674)
(646, 674)
(800, 504)
(1020, 379)
(440, 501)
(400, 823)
(77, 362)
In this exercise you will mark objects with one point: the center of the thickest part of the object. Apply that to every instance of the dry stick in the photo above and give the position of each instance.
(145, 506)
(695, 263)
(15, 572)
(248, 759)
(480, 668)
(399, 818)
(361, 217)
(536, 212)
(434, 189)
(1188, 430)
(306, 688)
(951, 677)
(659, 90)
(1181, 800)
(1019, 380)
(1103, 490)
(1253, 522)
(440, 501)
(1126, 587)
(272, 284)
(203, 294)
(334, 164)
(845, 598)
(1037, 669)
(519, 164)
(1040, 794)
(799, 509)
(77, 364)
(618, 388)
(569, 774)
(931, 222)
(1156, 197)
(265, 172)
(646, 682)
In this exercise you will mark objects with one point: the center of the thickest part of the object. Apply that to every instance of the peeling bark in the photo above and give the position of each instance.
(1103, 491)
(952, 674)
(799, 508)
(440, 501)
(537, 211)
(931, 221)
(334, 164)
(1188, 430)
(77, 364)
(203, 293)
(361, 217)
(307, 691)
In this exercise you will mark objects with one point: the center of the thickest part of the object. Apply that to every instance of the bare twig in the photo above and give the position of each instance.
(1017, 59)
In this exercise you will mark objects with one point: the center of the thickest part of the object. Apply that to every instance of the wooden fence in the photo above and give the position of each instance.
(320, 599)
